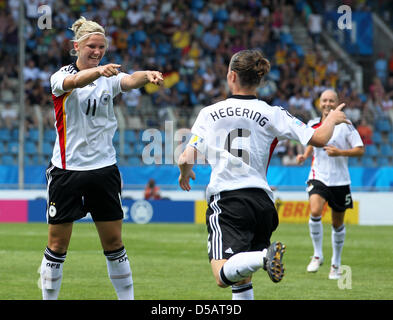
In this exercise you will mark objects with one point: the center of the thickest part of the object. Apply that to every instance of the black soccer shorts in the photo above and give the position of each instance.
(339, 198)
(72, 194)
(239, 221)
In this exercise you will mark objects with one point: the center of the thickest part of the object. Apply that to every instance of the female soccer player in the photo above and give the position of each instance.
(237, 136)
(83, 176)
(329, 181)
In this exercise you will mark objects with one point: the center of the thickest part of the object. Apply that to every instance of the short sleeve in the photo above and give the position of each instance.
(198, 130)
(353, 137)
(199, 127)
(56, 82)
(116, 83)
(287, 126)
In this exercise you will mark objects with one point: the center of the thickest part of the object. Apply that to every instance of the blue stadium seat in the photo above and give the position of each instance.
(28, 160)
(41, 160)
(390, 137)
(368, 161)
(377, 137)
(383, 161)
(386, 150)
(15, 134)
(353, 161)
(47, 148)
(50, 135)
(5, 134)
(138, 148)
(7, 160)
(30, 147)
(127, 149)
(116, 137)
(3, 149)
(371, 150)
(33, 135)
(130, 136)
(134, 161)
(13, 147)
(383, 125)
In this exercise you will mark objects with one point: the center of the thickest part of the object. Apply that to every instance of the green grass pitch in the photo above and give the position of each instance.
(169, 262)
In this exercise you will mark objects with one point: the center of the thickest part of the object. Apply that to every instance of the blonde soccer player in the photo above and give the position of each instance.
(83, 176)
(329, 181)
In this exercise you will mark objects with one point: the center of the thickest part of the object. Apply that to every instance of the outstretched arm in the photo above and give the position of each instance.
(86, 76)
(140, 78)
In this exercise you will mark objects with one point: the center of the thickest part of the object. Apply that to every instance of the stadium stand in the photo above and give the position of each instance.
(191, 42)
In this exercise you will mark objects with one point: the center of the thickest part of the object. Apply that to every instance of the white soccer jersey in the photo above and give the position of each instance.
(85, 122)
(237, 137)
(333, 171)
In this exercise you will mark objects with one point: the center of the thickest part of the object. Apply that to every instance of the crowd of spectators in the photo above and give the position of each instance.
(191, 42)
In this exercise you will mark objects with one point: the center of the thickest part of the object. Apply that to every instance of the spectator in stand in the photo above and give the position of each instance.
(389, 86)
(387, 106)
(365, 132)
(152, 191)
(9, 116)
(31, 71)
(377, 90)
(314, 25)
(353, 113)
(381, 67)
(390, 65)
(210, 40)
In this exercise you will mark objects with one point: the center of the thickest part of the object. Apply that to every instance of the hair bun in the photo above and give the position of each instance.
(261, 67)
(78, 24)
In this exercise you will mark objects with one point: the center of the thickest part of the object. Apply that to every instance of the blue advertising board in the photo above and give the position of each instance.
(135, 211)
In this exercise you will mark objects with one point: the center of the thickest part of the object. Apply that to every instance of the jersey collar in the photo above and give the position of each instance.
(74, 65)
(244, 97)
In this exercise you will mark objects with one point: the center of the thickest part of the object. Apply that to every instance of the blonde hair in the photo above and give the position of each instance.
(83, 28)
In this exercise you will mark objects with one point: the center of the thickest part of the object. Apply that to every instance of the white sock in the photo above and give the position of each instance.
(316, 234)
(338, 238)
(243, 292)
(120, 274)
(51, 274)
(241, 265)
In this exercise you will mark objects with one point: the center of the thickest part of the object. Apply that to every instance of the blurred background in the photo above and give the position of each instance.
(191, 43)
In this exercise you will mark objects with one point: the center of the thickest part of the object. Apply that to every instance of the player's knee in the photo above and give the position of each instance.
(221, 284)
(112, 243)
